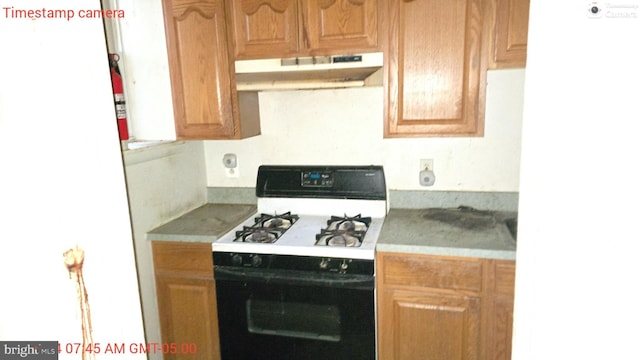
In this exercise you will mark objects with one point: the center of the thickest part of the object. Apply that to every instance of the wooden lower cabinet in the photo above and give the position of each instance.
(443, 308)
(186, 299)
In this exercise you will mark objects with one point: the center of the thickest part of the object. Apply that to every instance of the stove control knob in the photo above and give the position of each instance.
(256, 260)
(344, 266)
(236, 259)
(324, 264)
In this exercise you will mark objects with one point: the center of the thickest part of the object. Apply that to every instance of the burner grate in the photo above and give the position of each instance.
(345, 231)
(267, 228)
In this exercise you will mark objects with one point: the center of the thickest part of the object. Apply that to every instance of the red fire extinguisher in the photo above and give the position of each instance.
(118, 96)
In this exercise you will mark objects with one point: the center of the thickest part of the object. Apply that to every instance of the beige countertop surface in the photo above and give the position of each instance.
(453, 232)
(436, 231)
(204, 224)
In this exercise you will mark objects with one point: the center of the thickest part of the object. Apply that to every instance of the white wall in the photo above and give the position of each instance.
(164, 182)
(62, 183)
(577, 275)
(139, 39)
(345, 127)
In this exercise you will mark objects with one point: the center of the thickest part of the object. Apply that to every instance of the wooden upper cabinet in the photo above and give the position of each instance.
(290, 28)
(339, 25)
(264, 27)
(436, 69)
(510, 33)
(205, 101)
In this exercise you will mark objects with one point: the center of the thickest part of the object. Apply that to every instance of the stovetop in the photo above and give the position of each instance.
(301, 240)
(329, 211)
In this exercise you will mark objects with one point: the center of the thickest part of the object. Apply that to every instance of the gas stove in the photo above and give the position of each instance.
(323, 211)
(296, 280)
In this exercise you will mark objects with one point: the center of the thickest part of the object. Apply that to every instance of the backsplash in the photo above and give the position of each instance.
(344, 126)
(403, 199)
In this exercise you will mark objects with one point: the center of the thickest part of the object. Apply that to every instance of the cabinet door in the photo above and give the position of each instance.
(187, 299)
(199, 66)
(510, 33)
(436, 68)
(339, 25)
(186, 306)
(421, 325)
(264, 28)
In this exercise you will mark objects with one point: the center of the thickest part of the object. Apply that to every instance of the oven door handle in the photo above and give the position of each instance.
(294, 277)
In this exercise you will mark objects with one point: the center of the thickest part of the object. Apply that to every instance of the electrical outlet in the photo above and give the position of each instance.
(230, 162)
(426, 164)
(232, 172)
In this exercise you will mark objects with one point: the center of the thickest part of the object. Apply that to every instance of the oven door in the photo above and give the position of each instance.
(287, 314)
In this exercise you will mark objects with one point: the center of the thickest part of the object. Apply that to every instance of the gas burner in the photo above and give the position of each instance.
(349, 223)
(282, 221)
(342, 238)
(344, 231)
(258, 235)
(266, 229)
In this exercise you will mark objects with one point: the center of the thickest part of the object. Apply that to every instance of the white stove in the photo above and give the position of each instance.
(321, 211)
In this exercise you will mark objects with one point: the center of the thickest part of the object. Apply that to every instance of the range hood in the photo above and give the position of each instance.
(316, 72)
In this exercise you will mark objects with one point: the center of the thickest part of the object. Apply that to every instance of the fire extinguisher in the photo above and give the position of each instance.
(118, 96)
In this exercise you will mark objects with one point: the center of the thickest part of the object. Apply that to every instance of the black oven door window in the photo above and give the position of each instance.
(262, 320)
(294, 319)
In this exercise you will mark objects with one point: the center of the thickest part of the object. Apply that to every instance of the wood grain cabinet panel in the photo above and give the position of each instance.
(444, 308)
(264, 28)
(435, 75)
(434, 272)
(294, 28)
(205, 101)
(500, 301)
(331, 26)
(510, 33)
(187, 298)
(422, 325)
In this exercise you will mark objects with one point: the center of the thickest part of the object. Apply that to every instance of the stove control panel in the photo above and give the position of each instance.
(289, 262)
(319, 178)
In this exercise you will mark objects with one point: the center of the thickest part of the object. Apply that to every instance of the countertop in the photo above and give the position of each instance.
(459, 231)
(204, 224)
(455, 232)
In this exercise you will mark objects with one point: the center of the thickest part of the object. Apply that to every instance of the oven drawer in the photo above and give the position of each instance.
(182, 257)
(441, 272)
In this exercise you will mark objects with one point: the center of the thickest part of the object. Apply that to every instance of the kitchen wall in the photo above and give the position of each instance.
(163, 182)
(344, 126)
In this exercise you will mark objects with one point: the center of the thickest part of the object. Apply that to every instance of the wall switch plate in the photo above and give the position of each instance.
(426, 164)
